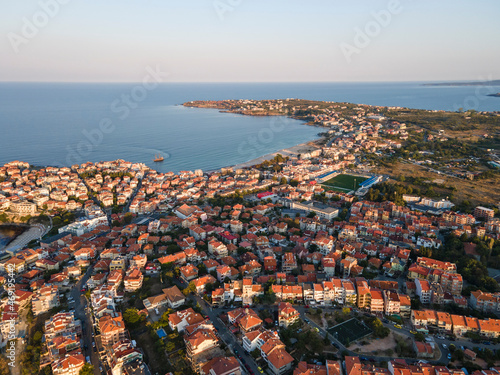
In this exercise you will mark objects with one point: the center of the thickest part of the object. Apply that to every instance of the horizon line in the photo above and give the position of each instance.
(261, 82)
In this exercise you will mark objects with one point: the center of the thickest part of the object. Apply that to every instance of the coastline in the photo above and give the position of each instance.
(290, 152)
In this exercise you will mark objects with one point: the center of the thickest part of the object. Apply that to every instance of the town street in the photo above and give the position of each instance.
(83, 312)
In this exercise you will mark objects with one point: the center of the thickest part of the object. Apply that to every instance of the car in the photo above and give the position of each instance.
(260, 370)
(398, 326)
(487, 343)
(444, 346)
(449, 355)
(93, 344)
(316, 329)
(413, 332)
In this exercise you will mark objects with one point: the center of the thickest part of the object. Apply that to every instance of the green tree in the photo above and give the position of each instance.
(131, 317)
(311, 214)
(170, 346)
(4, 367)
(191, 288)
(87, 369)
(127, 218)
(419, 337)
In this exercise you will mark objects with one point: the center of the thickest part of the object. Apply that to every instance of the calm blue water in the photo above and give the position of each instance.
(58, 124)
(6, 235)
(4, 240)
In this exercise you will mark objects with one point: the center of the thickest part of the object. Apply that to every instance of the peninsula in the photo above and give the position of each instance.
(302, 252)
(474, 83)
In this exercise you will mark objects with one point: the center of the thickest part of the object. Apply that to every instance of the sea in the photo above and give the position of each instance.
(60, 124)
(8, 233)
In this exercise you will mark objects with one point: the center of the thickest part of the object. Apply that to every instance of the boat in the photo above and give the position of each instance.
(158, 158)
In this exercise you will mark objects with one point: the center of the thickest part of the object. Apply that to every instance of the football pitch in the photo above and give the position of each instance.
(349, 331)
(345, 182)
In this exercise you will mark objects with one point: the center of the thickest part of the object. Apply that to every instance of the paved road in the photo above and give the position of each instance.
(226, 335)
(230, 340)
(83, 312)
(139, 184)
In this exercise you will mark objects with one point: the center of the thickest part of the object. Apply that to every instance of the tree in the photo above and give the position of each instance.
(127, 218)
(202, 269)
(255, 353)
(4, 367)
(419, 337)
(87, 369)
(283, 181)
(416, 304)
(170, 346)
(311, 214)
(191, 288)
(131, 317)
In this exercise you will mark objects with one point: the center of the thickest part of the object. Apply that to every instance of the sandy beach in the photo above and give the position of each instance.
(291, 152)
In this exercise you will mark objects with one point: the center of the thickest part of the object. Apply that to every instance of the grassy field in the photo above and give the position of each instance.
(349, 331)
(345, 181)
(476, 191)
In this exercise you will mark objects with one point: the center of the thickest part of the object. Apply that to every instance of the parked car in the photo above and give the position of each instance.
(444, 346)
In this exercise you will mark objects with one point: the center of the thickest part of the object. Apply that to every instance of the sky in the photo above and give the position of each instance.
(249, 40)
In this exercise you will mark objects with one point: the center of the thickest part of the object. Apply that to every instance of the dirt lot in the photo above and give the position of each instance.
(376, 346)
(477, 192)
